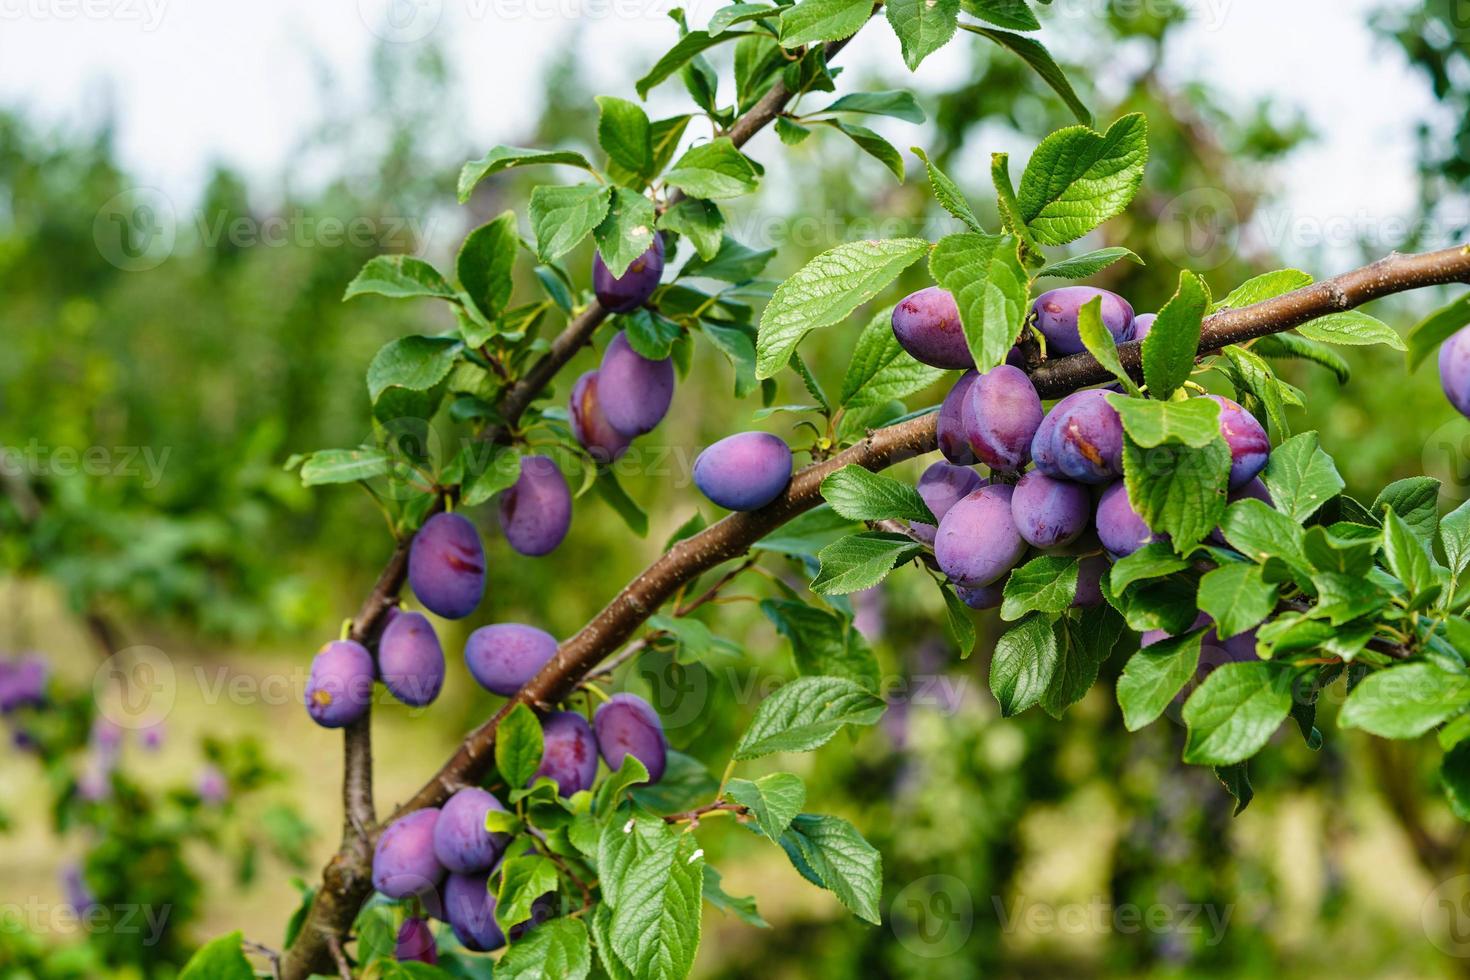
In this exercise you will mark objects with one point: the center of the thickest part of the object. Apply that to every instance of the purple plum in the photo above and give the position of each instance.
(415, 943)
(403, 862)
(627, 725)
(1118, 525)
(340, 686)
(1048, 512)
(446, 566)
(1454, 370)
(633, 392)
(1254, 490)
(927, 325)
(632, 289)
(504, 656)
(536, 512)
(211, 785)
(745, 471)
(570, 753)
(1000, 416)
(23, 682)
(461, 842)
(1057, 311)
(1090, 571)
(590, 426)
(1213, 652)
(950, 426)
(1081, 439)
(410, 660)
(470, 908)
(941, 486)
(977, 542)
(1142, 324)
(1249, 446)
(982, 596)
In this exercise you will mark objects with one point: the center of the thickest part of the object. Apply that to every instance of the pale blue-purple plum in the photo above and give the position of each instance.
(1057, 312)
(627, 725)
(22, 682)
(590, 426)
(415, 942)
(622, 294)
(949, 428)
(410, 660)
(982, 596)
(1081, 439)
(469, 906)
(569, 753)
(927, 325)
(403, 862)
(1213, 652)
(1142, 324)
(941, 486)
(461, 842)
(543, 908)
(1254, 490)
(1048, 512)
(977, 542)
(1454, 370)
(633, 391)
(446, 566)
(1090, 571)
(211, 785)
(745, 471)
(1118, 525)
(536, 511)
(504, 656)
(339, 688)
(1000, 416)
(1249, 446)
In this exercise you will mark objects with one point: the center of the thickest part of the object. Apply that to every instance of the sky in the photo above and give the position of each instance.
(195, 81)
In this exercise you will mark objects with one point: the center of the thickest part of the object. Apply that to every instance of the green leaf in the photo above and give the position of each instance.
(518, 746)
(773, 800)
(893, 102)
(732, 262)
(825, 291)
(957, 622)
(1289, 345)
(742, 908)
(626, 232)
(1013, 15)
(990, 288)
(1236, 597)
(804, 714)
(562, 216)
(948, 193)
(1439, 326)
(485, 262)
(1454, 776)
(1154, 560)
(612, 492)
(1406, 555)
(1077, 179)
(713, 170)
(1416, 501)
(1046, 583)
(1023, 665)
(559, 948)
(1405, 701)
(699, 221)
(1034, 53)
(1171, 346)
(1352, 328)
(343, 466)
(831, 854)
(1194, 422)
(861, 561)
(1178, 490)
(872, 144)
(1263, 287)
(650, 334)
(416, 363)
(1301, 477)
(1454, 532)
(1086, 642)
(735, 13)
(1154, 675)
(655, 924)
(922, 27)
(738, 346)
(399, 276)
(505, 157)
(881, 370)
(219, 959)
(624, 132)
(823, 643)
(863, 495)
(1235, 711)
(523, 879)
(679, 55)
(1253, 378)
(822, 20)
(791, 133)
(1089, 263)
(1099, 342)
(1237, 783)
(1261, 533)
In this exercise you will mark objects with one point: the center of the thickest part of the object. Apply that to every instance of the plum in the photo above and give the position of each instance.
(1048, 512)
(1142, 324)
(469, 907)
(1118, 525)
(543, 908)
(22, 683)
(977, 541)
(1249, 446)
(982, 596)
(745, 471)
(1090, 571)
(504, 656)
(927, 325)
(1454, 370)
(590, 426)
(415, 942)
(410, 660)
(403, 862)
(941, 485)
(949, 429)
(536, 511)
(1081, 439)
(446, 566)
(569, 755)
(340, 686)
(1000, 416)
(1056, 317)
(627, 725)
(461, 842)
(1213, 652)
(625, 293)
(211, 785)
(633, 391)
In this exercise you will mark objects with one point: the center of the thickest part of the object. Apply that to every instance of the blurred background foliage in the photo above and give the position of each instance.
(234, 353)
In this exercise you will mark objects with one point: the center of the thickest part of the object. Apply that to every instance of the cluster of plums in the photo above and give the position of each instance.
(1073, 500)
(444, 856)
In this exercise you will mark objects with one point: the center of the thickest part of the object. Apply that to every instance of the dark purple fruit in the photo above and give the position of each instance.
(982, 596)
(470, 908)
(536, 511)
(1118, 525)
(1048, 512)
(1249, 446)
(415, 942)
(977, 542)
(633, 391)
(404, 862)
(1142, 324)
(745, 471)
(927, 325)
(340, 686)
(505, 656)
(627, 725)
(446, 566)
(1057, 312)
(1090, 571)
(1454, 370)
(461, 842)
(942, 485)
(1000, 416)
(410, 660)
(1081, 439)
(590, 426)
(570, 753)
(633, 288)
(950, 427)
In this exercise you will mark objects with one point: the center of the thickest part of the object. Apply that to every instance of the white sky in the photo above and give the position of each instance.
(200, 80)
